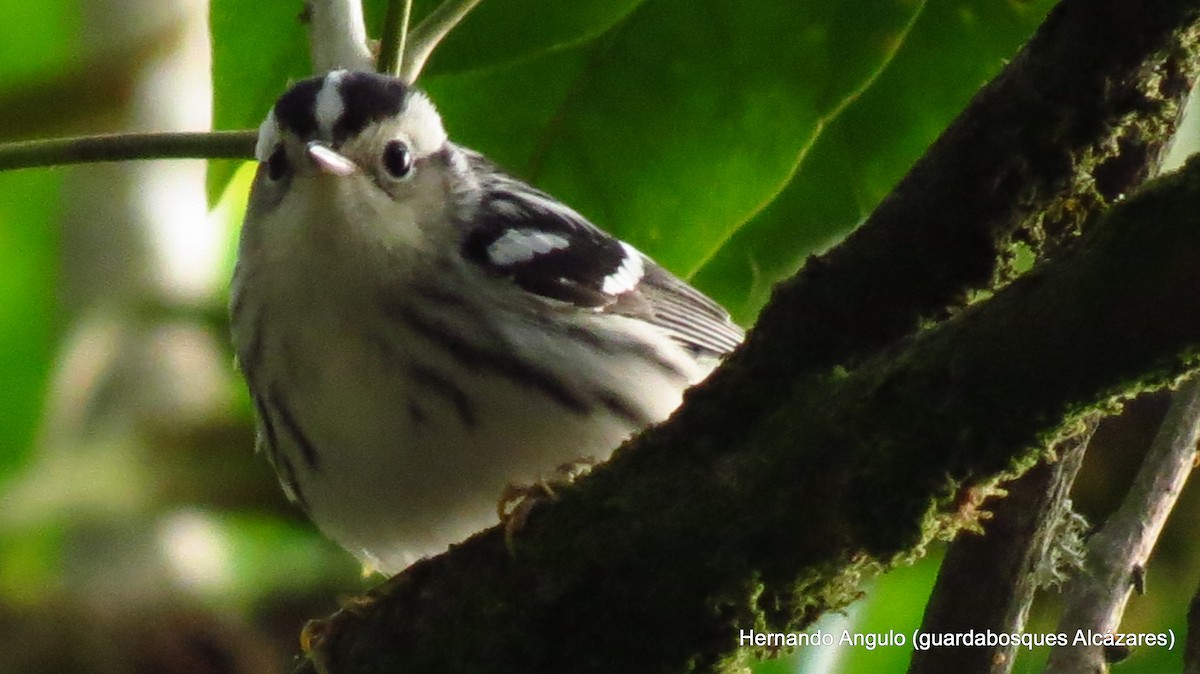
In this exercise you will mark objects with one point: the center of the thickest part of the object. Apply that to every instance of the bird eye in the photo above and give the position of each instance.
(397, 159)
(277, 164)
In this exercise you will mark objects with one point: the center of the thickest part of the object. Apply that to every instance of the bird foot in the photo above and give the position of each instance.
(518, 501)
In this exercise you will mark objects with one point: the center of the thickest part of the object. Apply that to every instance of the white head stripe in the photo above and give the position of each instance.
(330, 105)
(628, 275)
(520, 245)
(268, 137)
(422, 124)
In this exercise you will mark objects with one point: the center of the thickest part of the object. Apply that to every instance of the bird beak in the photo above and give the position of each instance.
(329, 161)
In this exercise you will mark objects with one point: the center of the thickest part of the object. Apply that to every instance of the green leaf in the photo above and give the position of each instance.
(498, 32)
(40, 48)
(690, 116)
(952, 50)
(40, 38)
(28, 303)
(46, 88)
(478, 111)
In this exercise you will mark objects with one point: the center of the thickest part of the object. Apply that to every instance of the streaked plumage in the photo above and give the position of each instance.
(414, 343)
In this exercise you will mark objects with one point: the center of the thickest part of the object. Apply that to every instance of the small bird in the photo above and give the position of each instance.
(419, 329)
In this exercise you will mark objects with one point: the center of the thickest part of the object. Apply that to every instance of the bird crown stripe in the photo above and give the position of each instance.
(340, 104)
(295, 110)
(329, 105)
(368, 97)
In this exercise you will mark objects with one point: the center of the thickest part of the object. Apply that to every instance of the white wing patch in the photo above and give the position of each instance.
(628, 275)
(330, 105)
(521, 245)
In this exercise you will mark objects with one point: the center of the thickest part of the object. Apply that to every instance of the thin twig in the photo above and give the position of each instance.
(988, 582)
(394, 38)
(426, 36)
(1117, 554)
(125, 146)
(337, 35)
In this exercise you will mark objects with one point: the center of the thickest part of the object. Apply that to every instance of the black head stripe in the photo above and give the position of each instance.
(368, 97)
(296, 108)
(365, 97)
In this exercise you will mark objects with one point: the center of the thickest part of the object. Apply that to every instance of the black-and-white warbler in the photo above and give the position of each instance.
(419, 329)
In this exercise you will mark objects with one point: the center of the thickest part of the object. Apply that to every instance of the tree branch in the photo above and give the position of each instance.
(395, 35)
(1096, 597)
(127, 146)
(429, 33)
(1099, 88)
(988, 581)
(337, 35)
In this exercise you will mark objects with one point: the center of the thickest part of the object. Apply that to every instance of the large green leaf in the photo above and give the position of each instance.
(477, 106)
(40, 45)
(499, 32)
(39, 38)
(693, 114)
(953, 49)
(28, 330)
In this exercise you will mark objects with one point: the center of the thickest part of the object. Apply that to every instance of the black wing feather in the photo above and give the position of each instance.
(692, 318)
(577, 261)
(574, 273)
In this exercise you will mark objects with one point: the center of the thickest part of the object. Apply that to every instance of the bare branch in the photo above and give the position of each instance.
(987, 582)
(426, 36)
(125, 146)
(1095, 599)
(337, 35)
(395, 34)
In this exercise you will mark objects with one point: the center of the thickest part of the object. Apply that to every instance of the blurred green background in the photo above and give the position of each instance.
(729, 140)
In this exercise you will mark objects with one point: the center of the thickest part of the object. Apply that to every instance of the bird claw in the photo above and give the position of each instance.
(518, 501)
